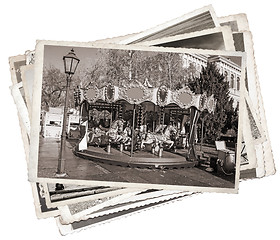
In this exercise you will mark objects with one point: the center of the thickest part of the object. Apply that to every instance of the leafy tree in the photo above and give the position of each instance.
(187, 75)
(124, 66)
(119, 66)
(93, 76)
(213, 82)
(170, 69)
(234, 118)
(54, 89)
(146, 67)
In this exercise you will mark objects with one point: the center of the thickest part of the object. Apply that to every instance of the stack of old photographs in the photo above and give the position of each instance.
(115, 126)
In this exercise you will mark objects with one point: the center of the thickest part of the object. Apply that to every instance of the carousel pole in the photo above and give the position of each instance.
(202, 129)
(191, 150)
(111, 115)
(139, 119)
(132, 130)
(120, 112)
(162, 115)
(153, 119)
(176, 119)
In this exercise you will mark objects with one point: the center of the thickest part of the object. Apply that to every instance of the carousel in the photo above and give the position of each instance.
(138, 125)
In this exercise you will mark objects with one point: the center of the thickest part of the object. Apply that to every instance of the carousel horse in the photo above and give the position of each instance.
(94, 135)
(115, 132)
(163, 135)
(126, 135)
(130, 137)
(169, 135)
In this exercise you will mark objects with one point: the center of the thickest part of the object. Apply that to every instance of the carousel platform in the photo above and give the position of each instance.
(142, 159)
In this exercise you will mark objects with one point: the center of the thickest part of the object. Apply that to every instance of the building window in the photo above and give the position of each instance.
(232, 81)
(226, 75)
(238, 83)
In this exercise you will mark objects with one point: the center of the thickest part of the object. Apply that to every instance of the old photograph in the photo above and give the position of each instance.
(219, 38)
(138, 118)
(198, 20)
(126, 116)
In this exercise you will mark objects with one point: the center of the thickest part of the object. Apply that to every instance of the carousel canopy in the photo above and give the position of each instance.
(137, 93)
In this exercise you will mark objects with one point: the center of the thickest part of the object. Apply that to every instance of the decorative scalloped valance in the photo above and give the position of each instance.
(137, 93)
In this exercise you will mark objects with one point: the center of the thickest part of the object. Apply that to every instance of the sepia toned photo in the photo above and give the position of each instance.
(139, 118)
(219, 38)
(131, 110)
(198, 20)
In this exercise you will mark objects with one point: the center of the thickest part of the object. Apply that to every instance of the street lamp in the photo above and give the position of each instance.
(70, 65)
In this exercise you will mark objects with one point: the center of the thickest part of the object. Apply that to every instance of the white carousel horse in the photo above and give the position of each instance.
(158, 137)
(95, 133)
(127, 132)
(168, 132)
(116, 133)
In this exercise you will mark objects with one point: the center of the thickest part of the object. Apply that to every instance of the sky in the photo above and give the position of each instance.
(53, 56)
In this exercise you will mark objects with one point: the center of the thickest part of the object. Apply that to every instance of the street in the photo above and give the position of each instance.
(83, 169)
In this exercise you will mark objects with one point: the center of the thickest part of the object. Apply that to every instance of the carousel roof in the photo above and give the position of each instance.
(137, 93)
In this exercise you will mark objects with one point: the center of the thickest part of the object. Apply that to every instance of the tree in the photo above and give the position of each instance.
(212, 82)
(232, 118)
(93, 75)
(103, 70)
(187, 75)
(119, 66)
(170, 66)
(54, 89)
(146, 67)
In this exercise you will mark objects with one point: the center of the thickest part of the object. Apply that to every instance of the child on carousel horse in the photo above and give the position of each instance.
(163, 135)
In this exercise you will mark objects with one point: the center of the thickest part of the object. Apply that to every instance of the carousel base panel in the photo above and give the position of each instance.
(139, 158)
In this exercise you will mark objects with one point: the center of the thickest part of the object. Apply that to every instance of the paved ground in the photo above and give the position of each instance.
(83, 169)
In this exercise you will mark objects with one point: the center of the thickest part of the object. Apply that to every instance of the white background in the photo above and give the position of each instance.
(251, 214)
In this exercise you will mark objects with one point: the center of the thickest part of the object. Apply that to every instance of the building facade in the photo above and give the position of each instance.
(227, 67)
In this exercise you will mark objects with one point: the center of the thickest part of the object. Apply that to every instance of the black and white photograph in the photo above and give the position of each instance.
(219, 38)
(134, 118)
(138, 120)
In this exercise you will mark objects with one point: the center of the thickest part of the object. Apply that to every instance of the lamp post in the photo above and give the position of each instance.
(70, 65)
